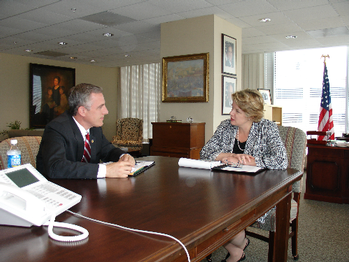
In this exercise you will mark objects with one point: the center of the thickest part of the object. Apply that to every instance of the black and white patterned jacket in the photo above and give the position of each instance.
(263, 143)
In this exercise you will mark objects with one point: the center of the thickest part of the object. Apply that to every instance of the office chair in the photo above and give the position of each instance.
(29, 146)
(295, 142)
(129, 134)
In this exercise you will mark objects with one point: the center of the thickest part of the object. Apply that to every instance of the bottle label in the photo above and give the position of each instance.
(13, 160)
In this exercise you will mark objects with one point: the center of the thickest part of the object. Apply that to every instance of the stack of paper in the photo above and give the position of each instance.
(194, 163)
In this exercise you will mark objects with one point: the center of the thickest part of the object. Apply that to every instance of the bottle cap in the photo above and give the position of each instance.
(13, 141)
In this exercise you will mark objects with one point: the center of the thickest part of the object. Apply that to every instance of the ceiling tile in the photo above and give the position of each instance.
(342, 8)
(321, 23)
(296, 4)
(141, 11)
(272, 29)
(249, 8)
(317, 12)
(180, 5)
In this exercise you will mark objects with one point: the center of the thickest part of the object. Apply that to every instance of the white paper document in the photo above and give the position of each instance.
(194, 163)
(216, 165)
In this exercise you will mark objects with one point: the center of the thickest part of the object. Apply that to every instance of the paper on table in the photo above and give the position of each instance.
(243, 168)
(194, 163)
(140, 165)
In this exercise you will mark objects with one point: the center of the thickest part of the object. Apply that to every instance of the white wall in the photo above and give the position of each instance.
(194, 36)
(14, 88)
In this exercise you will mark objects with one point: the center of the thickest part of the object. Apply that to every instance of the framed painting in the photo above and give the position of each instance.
(185, 78)
(228, 88)
(49, 87)
(266, 95)
(228, 55)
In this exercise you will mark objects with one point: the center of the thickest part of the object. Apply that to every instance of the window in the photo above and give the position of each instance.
(140, 94)
(298, 86)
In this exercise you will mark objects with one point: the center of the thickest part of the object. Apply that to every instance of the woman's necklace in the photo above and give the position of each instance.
(237, 137)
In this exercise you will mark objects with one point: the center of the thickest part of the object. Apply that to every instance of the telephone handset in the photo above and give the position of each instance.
(21, 204)
(27, 198)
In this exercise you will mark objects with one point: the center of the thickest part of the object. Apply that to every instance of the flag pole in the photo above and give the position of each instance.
(325, 118)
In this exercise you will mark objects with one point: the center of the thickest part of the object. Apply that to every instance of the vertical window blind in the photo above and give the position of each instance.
(140, 94)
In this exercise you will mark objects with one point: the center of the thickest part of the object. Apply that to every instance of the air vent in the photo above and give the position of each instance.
(51, 53)
(108, 19)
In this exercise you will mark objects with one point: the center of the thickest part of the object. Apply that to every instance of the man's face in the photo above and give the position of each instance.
(95, 116)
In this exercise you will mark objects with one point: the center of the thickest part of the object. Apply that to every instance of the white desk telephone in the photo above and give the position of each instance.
(27, 198)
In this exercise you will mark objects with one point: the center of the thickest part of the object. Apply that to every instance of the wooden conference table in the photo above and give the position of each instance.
(201, 208)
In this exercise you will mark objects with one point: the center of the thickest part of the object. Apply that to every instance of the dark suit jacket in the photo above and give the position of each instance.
(62, 147)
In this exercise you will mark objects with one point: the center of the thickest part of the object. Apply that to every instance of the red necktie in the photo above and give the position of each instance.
(87, 150)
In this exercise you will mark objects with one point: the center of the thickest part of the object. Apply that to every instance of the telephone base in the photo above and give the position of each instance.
(8, 219)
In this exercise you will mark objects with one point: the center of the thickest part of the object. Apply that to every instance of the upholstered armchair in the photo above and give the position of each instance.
(295, 142)
(129, 134)
(29, 146)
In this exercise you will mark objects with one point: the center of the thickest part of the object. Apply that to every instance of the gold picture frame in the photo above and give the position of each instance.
(185, 78)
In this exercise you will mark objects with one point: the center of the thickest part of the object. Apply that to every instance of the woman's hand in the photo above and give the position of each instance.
(231, 158)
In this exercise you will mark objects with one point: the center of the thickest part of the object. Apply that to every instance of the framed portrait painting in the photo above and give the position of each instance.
(228, 88)
(266, 95)
(185, 78)
(49, 87)
(228, 55)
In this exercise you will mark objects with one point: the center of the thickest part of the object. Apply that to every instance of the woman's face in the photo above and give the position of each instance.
(237, 116)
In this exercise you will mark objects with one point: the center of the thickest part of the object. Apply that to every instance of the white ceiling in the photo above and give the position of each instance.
(39, 25)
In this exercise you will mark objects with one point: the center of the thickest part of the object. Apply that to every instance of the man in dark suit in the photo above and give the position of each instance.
(62, 147)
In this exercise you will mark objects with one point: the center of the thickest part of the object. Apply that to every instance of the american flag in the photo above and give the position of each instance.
(325, 117)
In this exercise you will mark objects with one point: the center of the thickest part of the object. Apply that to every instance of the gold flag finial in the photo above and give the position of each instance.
(325, 56)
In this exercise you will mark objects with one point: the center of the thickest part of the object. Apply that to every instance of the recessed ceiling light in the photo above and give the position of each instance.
(264, 20)
(62, 43)
(291, 37)
(28, 50)
(108, 34)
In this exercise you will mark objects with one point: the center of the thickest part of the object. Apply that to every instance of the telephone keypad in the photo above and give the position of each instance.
(44, 190)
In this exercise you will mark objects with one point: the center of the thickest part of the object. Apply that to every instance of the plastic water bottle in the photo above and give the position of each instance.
(13, 155)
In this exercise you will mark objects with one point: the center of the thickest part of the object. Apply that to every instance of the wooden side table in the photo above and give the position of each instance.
(178, 139)
(327, 174)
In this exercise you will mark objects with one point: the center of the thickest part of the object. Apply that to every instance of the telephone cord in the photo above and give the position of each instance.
(133, 230)
(51, 223)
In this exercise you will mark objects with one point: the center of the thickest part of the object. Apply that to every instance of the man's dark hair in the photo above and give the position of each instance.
(79, 95)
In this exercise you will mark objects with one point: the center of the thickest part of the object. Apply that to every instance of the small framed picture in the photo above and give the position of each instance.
(228, 88)
(266, 95)
(228, 55)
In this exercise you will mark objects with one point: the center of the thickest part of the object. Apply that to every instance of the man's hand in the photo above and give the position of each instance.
(122, 168)
(128, 158)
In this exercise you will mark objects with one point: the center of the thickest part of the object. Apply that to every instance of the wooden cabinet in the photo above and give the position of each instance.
(327, 174)
(273, 113)
(178, 139)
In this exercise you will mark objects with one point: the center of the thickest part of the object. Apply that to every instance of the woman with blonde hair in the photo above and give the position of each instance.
(249, 139)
